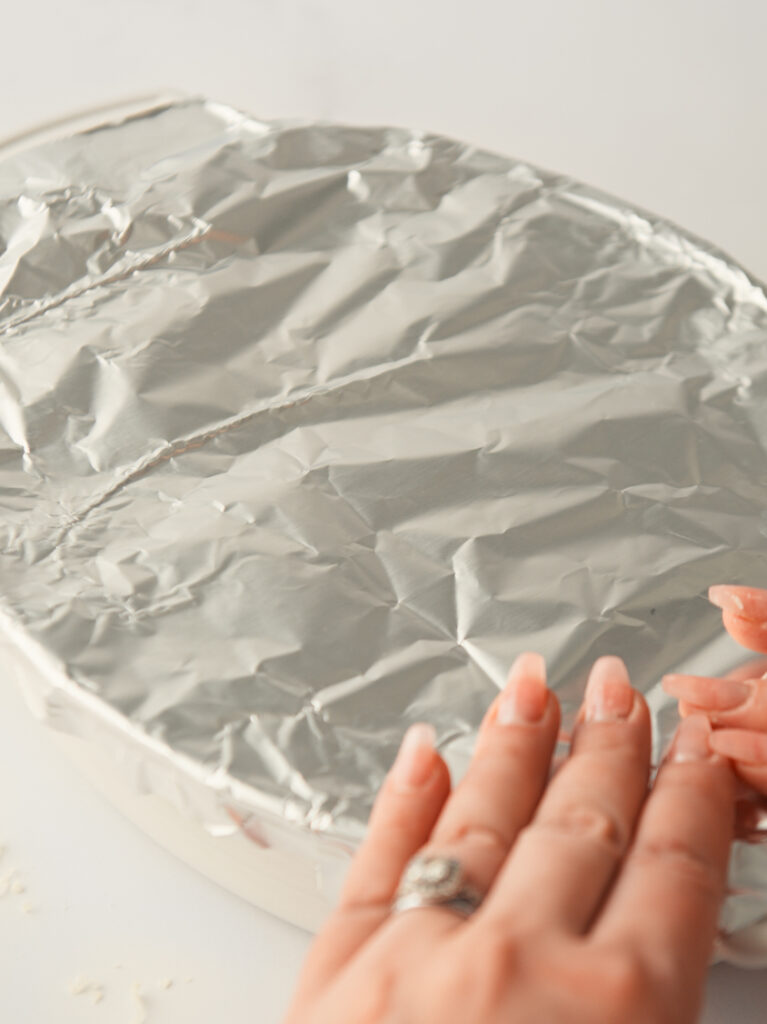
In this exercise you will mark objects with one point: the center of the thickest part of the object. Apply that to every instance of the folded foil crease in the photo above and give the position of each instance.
(307, 430)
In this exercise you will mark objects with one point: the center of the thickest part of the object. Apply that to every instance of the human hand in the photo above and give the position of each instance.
(601, 902)
(736, 705)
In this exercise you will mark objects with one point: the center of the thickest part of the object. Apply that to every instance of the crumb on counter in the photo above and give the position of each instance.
(140, 1015)
(79, 985)
(82, 986)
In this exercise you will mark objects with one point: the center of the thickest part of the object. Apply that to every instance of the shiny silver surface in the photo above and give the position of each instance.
(307, 430)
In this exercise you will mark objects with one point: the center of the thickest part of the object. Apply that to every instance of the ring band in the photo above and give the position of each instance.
(434, 881)
(462, 905)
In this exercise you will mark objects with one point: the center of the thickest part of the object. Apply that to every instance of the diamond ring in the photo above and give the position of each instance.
(433, 881)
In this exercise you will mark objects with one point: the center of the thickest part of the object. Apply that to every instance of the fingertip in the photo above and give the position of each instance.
(738, 599)
(609, 695)
(744, 613)
(525, 697)
(677, 684)
(613, 666)
(428, 786)
(529, 663)
(749, 633)
(720, 595)
(417, 757)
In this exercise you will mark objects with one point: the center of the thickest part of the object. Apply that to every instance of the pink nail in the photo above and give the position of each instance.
(524, 699)
(727, 598)
(415, 760)
(745, 602)
(609, 696)
(713, 694)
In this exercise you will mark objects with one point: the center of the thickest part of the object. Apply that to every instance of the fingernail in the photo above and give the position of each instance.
(741, 745)
(690, 742)
(726, 597)
(525, 696)
(415, 760)
(704, 691)
(609, 696)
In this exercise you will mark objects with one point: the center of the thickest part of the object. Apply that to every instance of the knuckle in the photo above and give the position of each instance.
(498, 953)
(610, 983)
(590, 822)
(625, 982)
(477, 978)
(708, 783)
(627, 989)
(682, 859)
(488, 838)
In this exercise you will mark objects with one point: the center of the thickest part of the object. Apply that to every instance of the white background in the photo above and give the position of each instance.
(660, 101)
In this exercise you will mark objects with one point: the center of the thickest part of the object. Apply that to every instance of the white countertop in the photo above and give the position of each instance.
(659, 102)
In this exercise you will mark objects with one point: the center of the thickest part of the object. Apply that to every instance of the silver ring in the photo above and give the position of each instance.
(433, 881)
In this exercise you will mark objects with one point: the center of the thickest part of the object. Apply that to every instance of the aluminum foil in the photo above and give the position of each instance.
(307, 430)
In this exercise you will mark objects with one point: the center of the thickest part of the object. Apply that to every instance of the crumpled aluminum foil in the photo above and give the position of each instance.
(307, 430)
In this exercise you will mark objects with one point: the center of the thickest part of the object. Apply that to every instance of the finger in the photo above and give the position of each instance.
(665, 903)
(754, 668)
(747, 750)
(686, 709)
(499, 793)
(744, 614)
(739, 703)
(402, 818)
(562, 865)
(503, 785)
(741, 745)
